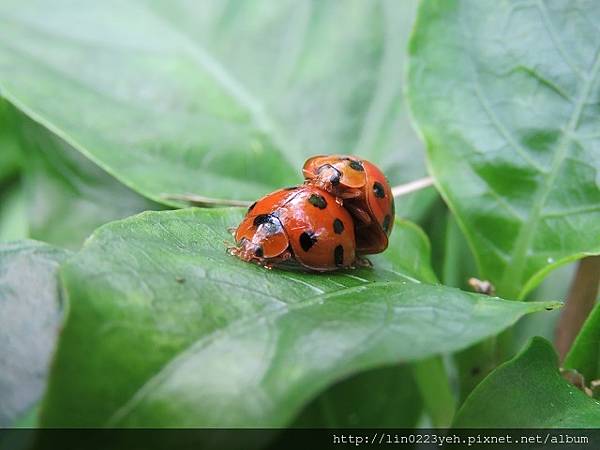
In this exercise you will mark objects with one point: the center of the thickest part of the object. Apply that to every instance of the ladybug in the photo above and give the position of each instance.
(302, 223)
(364, 191)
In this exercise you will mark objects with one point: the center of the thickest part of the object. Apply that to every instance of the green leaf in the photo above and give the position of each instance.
(216, 100)
(584, 355)
(505, 96)
(30, 311)
(66, 196)
(529, 392)
(380, 398)
(436, 392)
(10, 155)
(13, 214)
(183, 334)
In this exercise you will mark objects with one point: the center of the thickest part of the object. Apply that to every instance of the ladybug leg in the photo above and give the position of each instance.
(230, 246)
(245, 250)
(363, 217)
(273, 262)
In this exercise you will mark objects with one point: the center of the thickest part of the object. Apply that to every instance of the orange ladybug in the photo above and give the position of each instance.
(364, 191)
(302, 223)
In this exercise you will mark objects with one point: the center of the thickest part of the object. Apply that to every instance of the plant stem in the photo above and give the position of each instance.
(432, 380)
(416, 185)
(580, 302)
(206, 202)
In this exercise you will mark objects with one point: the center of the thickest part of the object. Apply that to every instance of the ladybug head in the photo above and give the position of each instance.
(248, 250)
(324, 176)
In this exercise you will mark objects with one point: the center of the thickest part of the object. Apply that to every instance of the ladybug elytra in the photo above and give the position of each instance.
(303, 223)
(364, 191)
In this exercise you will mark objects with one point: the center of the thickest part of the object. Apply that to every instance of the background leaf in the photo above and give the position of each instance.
(584, 355)
(67, 196)
(10, 154)
(30, 311)
(192, 336)
(379, 398)
(212, 99)
(506, 95)
(13, 214)
(13, 221)
(529, 392)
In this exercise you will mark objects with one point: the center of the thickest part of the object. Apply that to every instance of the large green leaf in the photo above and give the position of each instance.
(67, 196)
(381, 398)
(166, 329)
(506, 95)
(584, 355)
(219, 99)
(13, 214)
(10, 155)
(30, 310)
(529, 392)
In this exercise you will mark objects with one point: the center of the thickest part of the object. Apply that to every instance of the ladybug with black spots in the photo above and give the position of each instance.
(364, 191)
(302, 223)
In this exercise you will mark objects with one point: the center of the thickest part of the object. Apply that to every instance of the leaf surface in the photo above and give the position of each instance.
(67, 196)
(381, 398)
(215, 99)
(506, 96)
(11, 158)
(184, 334)
(13, 214)
(529, 392)
(584, 355)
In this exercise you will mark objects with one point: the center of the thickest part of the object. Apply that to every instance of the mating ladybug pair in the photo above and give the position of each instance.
(345, 208)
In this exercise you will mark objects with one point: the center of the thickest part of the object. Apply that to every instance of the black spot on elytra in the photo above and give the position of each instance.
(318, 201)
(307, 240)
(387, 220)
(251, 207)
(338, 226)
(356, 165)
(259, 252)
(338, 256)
(378, 190)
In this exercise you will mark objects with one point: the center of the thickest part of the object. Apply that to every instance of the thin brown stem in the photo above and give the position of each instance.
(580, 302)
(413, 186)
(204, 202)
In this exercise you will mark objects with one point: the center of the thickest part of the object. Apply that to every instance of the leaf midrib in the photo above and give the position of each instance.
(513, 275)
